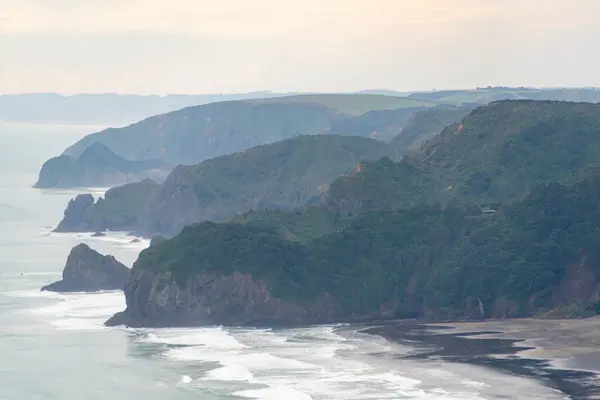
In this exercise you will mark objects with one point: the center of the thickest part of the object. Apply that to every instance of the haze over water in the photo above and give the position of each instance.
(56, 347)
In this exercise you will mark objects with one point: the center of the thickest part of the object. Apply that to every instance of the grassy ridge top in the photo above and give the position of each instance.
(349, 104)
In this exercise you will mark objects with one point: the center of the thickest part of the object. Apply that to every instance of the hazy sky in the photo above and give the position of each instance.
(199, 46)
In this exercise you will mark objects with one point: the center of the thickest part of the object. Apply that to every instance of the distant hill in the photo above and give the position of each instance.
(349, 104)
(282, 175)
(490, 94)
(97, 166)
(198, 133)
(195, 134)
(382, 125)
(423, 125)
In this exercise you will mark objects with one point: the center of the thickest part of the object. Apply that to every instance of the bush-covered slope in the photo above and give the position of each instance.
(498, 152)
(282, 175)
(526, 258)
(381, 124)
(123, 208)
(425, 124)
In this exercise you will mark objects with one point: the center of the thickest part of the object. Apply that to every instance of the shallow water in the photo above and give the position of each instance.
(55, 346)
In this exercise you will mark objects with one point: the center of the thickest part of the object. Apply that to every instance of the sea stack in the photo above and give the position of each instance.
(89, 271)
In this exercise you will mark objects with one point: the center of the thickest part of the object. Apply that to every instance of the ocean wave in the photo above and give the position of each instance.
(81, 311)
(210, 337)
(273, 393)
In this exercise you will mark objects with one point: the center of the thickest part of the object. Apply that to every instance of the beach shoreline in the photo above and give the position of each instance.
(561, 354)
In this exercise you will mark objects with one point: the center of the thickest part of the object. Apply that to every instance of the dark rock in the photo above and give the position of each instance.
(89, 271)
(136, 240)
(123, 208)
(76, 211)
(157, 300)
(99, 234)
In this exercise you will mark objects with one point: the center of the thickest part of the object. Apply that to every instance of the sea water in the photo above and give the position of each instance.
(55, 346)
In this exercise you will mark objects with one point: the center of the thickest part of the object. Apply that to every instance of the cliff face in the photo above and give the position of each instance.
(158, 300)
(98, 166)
(123, 208)
(89, 271)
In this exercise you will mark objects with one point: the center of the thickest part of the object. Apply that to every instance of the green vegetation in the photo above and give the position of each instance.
(503, 150)
(380, 124)
(497, 153)
(194, 134)
(426, 260)
(499, 216)
(349, 104)
(300, 225)
(424, 125)
(282, 175)
(490, 94)
(123, 208)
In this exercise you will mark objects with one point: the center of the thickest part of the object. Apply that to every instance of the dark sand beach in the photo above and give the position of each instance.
(562, 354)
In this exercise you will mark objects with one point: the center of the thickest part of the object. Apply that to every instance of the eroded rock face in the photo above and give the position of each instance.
(157, 300)
(76, 214)
(89, 271)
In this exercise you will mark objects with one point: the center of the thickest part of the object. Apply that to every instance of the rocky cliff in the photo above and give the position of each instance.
(158, 300)
(282, 175)
(87, 270)
(537, 256)
(98, 166)
(123, 208)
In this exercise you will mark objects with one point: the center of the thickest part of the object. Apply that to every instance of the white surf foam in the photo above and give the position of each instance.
(210, 337)
(81, 311)
(273, 393)
(230, 372)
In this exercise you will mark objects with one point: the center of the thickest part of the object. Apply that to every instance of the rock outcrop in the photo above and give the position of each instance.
(77, 215)
(158, 300)
(123, 208)
(89, 271)
(98, 166)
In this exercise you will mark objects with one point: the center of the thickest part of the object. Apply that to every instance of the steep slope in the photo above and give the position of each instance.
(425, 124)
(498, 152)
(501, 151)
(285, 175)
(87, 270)
(529, 257)
(380, 124)
(194, 134)
(123, 208)
(97, 166)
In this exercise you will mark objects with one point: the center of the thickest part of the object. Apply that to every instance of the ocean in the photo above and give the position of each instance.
(54, 346)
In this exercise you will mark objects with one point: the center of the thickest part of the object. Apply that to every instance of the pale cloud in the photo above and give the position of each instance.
(326, 45)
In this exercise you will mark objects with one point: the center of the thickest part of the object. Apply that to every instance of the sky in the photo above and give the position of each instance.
(228, 46)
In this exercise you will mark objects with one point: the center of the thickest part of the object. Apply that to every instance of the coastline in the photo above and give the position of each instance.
(561, 354)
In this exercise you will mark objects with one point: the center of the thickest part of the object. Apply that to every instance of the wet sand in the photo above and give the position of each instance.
(562, 354)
